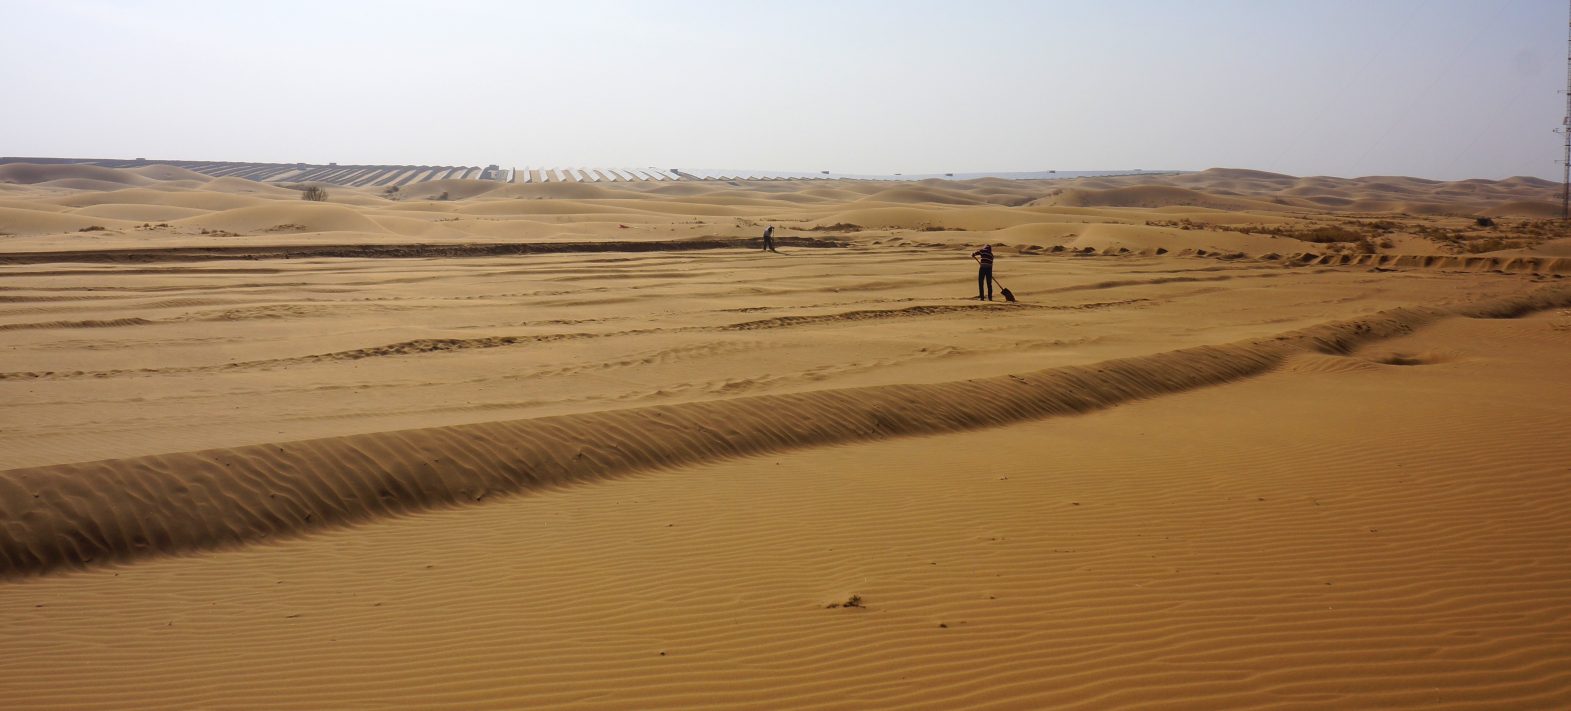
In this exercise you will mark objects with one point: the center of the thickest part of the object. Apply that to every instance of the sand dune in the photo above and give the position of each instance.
(559, 190)
(1151, 196)
(76, 514)
(286, 217)
(1245, 440)
(79, 184)
(1512, 197)
(16, 221)
(169, 172)
(33, 173)
(139, 212)
(455, 189)
(1541, 209)
(202, 200)
(1060, 576)
(1557, 248)
(923, 194)
(243, 186)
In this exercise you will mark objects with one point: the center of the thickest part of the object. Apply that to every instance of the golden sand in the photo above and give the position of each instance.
(583, 445)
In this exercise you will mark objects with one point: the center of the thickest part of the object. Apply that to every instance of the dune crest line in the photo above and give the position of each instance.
(391, 251)
(74, 515)
(1516, 264)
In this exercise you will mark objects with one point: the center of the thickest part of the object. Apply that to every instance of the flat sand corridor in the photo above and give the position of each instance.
(396, 452)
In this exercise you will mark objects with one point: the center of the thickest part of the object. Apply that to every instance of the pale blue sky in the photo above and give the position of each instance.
(1433, 88)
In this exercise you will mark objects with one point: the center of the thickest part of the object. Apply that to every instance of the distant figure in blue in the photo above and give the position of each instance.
(984, 274)
(769, 238)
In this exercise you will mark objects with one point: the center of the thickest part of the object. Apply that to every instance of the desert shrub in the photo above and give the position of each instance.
(443, 196)
(1328, 234)
(853, 601)
(314, 194)
(94, 228)
(1484, 222)
(390, 190)
(1488, 244)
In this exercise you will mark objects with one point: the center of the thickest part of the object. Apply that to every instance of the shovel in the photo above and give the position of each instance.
(1008, 295)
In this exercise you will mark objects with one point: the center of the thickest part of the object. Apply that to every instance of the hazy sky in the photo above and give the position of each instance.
(1433, 88)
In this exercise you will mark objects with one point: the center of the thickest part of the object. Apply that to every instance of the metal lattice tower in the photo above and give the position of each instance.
(1565, 130)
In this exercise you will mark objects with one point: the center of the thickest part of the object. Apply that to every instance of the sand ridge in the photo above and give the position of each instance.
(1246, 440)
(138, 205)
(1092, 562)
(75, 514)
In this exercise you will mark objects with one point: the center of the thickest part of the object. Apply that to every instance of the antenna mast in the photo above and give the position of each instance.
(1565, 129)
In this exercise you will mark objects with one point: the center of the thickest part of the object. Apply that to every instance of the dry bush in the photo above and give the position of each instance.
(837, 227)
(1327, 234)
(1488, 244)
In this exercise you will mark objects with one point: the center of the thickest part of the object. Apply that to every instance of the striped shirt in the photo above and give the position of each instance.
(985, 255)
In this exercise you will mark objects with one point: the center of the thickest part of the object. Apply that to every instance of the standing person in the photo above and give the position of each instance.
(769, 238)
(984, 274)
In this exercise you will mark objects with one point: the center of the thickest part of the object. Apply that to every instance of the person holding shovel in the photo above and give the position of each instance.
(769, 238)
(984, 274)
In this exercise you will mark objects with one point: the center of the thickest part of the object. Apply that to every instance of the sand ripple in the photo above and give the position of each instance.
(77, 514)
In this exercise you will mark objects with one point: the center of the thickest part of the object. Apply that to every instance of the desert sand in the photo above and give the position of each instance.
(1245, 441)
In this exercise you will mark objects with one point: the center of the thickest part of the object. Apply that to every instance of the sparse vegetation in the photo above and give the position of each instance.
(443, 196)
(390, 190)
(1488, 244)
(286, 227)
(219, 233)
(853, 601)
(837, 227)
(94, 228)
(1370, 236)
(313, 193)
(1330, 234)
(149, 226)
